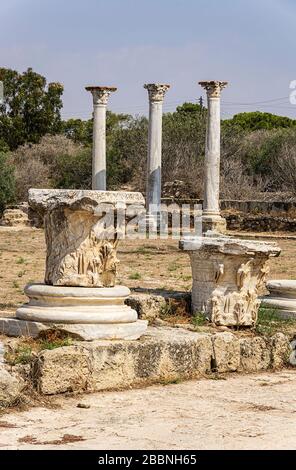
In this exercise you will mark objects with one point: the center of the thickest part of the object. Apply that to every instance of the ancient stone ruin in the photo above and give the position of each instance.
(79, 294)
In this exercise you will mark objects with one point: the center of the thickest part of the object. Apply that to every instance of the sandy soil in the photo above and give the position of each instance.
(241, 412)
(153, 264)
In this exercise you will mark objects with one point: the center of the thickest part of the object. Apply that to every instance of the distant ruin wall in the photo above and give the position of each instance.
(255, 216)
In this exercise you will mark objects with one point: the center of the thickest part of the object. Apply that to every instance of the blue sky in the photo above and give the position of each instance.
(126, 43)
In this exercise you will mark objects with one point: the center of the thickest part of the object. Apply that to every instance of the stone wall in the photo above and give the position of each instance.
(259, 223)
(253, 216)
(287, 209)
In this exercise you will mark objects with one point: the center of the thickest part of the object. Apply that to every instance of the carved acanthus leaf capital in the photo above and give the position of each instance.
(156, 91)
(100, 94)
(213, 87)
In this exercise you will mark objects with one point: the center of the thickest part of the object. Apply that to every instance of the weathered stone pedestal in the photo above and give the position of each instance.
(213, 223)
(79, 295)
(227, 275)
(282, 297)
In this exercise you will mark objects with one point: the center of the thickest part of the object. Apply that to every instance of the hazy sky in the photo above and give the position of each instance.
(126, 43)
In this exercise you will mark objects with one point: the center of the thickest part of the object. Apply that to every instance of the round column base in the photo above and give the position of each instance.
(282, 298)
(213, 223)
(88, 313)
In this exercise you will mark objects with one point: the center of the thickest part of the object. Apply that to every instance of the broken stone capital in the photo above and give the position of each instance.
(81, 251)
(227, 276)
(100, 94)
(213, 87)
(156, 91)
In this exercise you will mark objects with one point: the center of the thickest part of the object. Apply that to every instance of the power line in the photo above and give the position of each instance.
(257, 102)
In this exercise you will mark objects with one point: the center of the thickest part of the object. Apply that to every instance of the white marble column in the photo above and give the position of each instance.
(212, 219)
(156, 94)
(100, 99)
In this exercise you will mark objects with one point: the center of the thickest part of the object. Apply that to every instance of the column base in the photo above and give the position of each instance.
(213, 223)
(87, 313)
(81, 331)
(282, 298)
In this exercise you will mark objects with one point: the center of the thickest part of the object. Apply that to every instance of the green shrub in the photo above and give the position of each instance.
(7, 182)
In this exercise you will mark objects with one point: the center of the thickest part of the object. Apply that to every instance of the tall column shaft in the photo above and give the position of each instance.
(99, 148)
(153, 195)
(211, 211)
(156, 94)
(100, 99)
(212, 159)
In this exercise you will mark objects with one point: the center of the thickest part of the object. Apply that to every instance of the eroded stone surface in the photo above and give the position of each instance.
(10, 388)
(163, 355)
(227, 277)
(255, 354)
(149, 306)
(226, 352)
(80, 251)
(15, 217)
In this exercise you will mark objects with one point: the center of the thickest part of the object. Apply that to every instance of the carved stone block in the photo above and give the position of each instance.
(80, 252)
(227, 275)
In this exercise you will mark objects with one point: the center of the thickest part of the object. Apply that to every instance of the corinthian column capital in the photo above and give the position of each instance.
(100, 94)
(213, 87)
(156, 91)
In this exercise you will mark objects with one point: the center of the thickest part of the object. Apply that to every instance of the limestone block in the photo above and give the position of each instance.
(164, 354)
(292, 357)
(255, 354)
(280, 350)
(65, 369)
(15, 218)
(227, 276)
(226, 352)
(10, 388)
(81, 251)
(149, 306)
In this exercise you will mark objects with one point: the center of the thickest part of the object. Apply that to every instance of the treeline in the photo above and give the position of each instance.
(39, 149)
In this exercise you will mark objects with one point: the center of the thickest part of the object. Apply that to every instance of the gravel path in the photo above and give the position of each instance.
(241, 412)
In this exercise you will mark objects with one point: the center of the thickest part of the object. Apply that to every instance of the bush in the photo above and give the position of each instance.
(74, 171)
(37, 165)
(7, 182)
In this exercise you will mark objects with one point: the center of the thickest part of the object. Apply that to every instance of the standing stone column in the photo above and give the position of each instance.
(212, 219)
(156, 92)
(100, 99)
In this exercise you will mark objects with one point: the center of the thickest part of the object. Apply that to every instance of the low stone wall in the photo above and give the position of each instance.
(248, 207)
(259, 223)
(253, 216)
(163, 355)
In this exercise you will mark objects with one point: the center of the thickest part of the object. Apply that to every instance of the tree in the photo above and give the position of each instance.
(7, 183)
(30, 108)
(81, 131)
(257, 120)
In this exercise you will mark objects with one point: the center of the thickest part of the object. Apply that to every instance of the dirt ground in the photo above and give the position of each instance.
(242, 412)
(153, 264)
